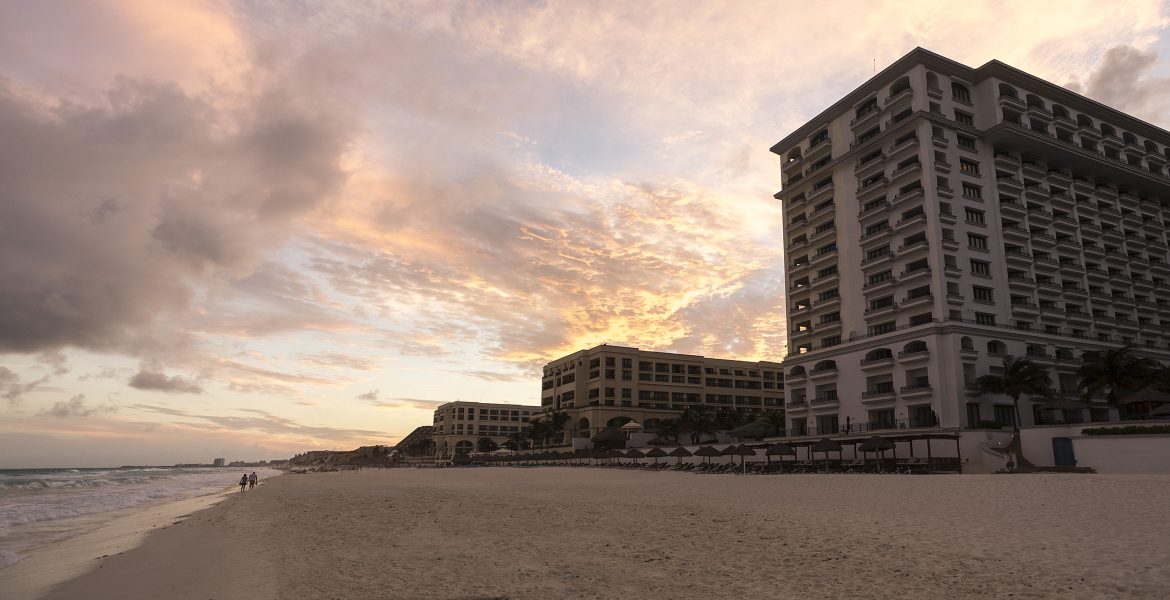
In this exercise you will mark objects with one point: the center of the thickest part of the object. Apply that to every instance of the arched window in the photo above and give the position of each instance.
(1107, 129)
(1035, 350)
(794, 155)
(1036, 101)
(1007, 90)
(583, 423)
(796, 372)
(1084, 121)
(965, 343)
(914, 347)
(932, 81)
(618, 421)
(1151, 147)
(1060, 111)
(900, 86)
(1129, 138)
(866, 107)
(996, 347)
(878, 354)
(825, 365)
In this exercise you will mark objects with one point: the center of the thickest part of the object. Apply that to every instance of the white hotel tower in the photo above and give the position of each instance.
(939, 218)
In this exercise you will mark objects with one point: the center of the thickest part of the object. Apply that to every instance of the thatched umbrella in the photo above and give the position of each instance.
(707, 452)
(876, 443)
(609, 437)
(635, 454)
(656, 453)
(826, 445)
(742, 451)
(756, 429)
(680, 452)
(780, 450)
(1161, 411)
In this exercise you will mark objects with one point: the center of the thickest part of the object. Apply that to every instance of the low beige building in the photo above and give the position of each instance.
(610, 385)
(459, 425)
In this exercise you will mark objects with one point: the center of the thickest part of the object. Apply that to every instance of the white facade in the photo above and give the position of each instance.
(939, 218)
(458, 426)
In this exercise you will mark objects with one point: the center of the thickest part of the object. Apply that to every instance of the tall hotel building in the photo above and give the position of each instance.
(939, 218)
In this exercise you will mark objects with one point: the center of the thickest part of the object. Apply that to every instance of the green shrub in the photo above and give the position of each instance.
(1128, 430)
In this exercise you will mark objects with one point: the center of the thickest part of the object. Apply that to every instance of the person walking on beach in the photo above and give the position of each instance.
(252, 480)
(243, 481)
(1010, 462)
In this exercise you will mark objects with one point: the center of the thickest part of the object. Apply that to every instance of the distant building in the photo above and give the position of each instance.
(219, 462)
(611, 385)
(458, 426)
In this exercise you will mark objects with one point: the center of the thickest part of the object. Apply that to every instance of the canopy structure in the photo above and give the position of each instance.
(609, 437)
(680, 453)
(707, 452)
(656, 453)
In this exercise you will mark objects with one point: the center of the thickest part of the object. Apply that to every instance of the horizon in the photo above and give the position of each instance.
(240, 230)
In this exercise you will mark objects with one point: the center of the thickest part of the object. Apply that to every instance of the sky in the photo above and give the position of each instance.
(251, 229)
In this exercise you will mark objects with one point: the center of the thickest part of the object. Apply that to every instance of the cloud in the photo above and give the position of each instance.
(76, 407)
(55, 360)
(370, 396)
(1124, 80)
(418, 403)
(155, 381)
(262, 421)
(491, 375)
(11, 387)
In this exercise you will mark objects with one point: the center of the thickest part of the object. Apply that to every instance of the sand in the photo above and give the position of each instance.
(561, 532)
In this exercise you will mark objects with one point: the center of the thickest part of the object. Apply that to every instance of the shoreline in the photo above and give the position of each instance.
(563, 532)
(114, 533)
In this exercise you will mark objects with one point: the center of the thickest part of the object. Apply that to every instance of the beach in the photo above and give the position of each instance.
(563, 532)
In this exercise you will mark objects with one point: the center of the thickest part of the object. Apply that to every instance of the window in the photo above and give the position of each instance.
(982, 294)
(969, 167)
(1005, 415)
(977, 242)
(975, 216)
(966, 143)
(882, 328)
(961, 93)
(979, 267)
(984, 318)
(972, 191)
(963, 118)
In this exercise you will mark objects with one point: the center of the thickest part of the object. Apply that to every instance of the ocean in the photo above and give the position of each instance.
(42, 506)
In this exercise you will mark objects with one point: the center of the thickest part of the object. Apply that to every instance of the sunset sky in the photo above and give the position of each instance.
(253, 229)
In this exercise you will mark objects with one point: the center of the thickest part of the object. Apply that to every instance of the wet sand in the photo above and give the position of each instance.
(561, 532)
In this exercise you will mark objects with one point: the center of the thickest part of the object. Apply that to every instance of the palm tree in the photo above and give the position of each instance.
(519, 440)
(697, 420)
(538, 431)
(1020, 377)
(556, 424)
(775, 418)
(1112, 371)
(487, 444)
(669, 429)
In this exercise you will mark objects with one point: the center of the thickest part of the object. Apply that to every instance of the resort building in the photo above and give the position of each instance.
(939, 218)
(611, 385)
(458, 426)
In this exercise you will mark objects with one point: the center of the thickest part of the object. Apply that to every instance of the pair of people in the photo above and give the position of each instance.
(248, 481)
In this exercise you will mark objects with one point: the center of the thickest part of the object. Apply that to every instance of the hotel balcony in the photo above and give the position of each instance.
(1071, 267)
(820, 191)
(911, 222)
(825, 233)
(818, 149)
(1049, 288)
(1052, 313)
(916, 391)
(956, 299)
(872, 189)
(914, 248)
(1009, 184)
(908, 276)
(822, 256)
(797, 404)
(913, 356)
(1078, 316)
(1021, 282)
(907, 197)
(897, 149)
(914, 168)
(822, 373)
(1042, 240)
(882, 260)
(1015, 231)
(1029, 309)
(873, 213)
(880, 235)
(825, 401)
(1039, 216)
(873, 364)
(1012, 208)
(823, 280)
(1128, 325)
(1098, 275)
(880, 311)
(1075, 291)
(919, 300)
(879, 395)
(1093, 250)
(1068, 244)
(1006, 161)
(865, 119)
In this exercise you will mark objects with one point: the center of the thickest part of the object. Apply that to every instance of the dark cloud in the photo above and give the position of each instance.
(113, 214)
(369, 396)
(1123, 80)
(171, 384)
(76, 407)
(55, 360)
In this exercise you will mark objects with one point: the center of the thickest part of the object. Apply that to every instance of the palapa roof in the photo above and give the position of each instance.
(681, 452)
(608, 435)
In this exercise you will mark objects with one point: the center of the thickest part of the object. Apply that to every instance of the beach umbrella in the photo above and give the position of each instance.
(609, 437)
(656, 453)
(742, 451)
(756, 429)
(707, 452)
(875, 444)
(826, 445)
(780, 450)
(635, 454)
(680, 453)
(1161, 411)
